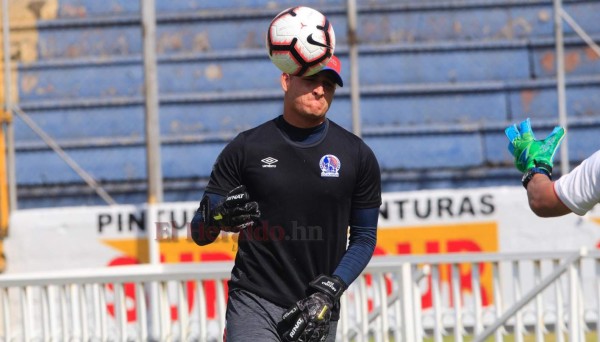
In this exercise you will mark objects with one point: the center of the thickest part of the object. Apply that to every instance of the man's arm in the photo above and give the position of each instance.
(535, 159)
(579, 190)
(310, 316)
(362, 241)
(230, 213)
(543, 201)
(201, 233)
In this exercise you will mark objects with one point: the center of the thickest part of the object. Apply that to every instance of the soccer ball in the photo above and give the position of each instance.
(300, 41)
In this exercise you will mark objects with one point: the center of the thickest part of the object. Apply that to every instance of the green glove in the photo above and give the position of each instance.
(530, 153)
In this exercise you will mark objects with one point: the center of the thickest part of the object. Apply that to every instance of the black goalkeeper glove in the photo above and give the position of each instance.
(235, 213)
(308, 319)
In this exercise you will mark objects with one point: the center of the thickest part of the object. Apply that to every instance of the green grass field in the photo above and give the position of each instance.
(589, 337)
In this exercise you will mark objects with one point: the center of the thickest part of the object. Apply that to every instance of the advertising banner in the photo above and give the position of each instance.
(420, 222)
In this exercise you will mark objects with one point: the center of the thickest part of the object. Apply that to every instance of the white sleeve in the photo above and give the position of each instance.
(579, 190)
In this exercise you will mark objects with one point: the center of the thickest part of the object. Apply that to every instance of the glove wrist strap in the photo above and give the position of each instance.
(545, 167)
(209, 213)
(334, 287)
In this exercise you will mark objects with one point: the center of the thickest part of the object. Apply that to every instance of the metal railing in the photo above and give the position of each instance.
(401, 298)
(104, 305)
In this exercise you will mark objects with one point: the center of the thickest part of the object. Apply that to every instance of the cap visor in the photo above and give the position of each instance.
(334, 76)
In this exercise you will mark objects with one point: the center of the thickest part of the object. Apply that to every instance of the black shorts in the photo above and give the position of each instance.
(252, 318)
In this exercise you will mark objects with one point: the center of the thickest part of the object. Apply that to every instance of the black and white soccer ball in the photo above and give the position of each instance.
(300, 41)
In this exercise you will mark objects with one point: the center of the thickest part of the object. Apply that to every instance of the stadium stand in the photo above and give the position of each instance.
(439, 82)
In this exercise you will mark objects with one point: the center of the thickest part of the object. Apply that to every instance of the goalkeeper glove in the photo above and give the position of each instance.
(308, 319)
(235, 213)
(530, 153)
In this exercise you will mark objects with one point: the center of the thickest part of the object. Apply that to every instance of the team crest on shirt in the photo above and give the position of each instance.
(330, 166)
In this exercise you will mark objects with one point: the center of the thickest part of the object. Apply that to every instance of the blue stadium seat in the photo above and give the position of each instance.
(542, 102)
(116, 164)
(197, 26)
(83, 123)
(579, 60)
(439, 81)
(427, 151)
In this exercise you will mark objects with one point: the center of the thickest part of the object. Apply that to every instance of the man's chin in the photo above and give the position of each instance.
(319, 116)
(315, 120)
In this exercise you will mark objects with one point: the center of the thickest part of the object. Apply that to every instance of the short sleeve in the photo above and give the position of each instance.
(227, 170)
(367, 193)
(579, 190)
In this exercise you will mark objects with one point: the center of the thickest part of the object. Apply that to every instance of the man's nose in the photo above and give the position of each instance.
(319, 89)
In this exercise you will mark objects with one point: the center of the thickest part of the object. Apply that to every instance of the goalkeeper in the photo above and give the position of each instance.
(577, 191)
(291, 187)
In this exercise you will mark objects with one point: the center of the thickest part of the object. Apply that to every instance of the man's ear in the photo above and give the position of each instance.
(285, 81)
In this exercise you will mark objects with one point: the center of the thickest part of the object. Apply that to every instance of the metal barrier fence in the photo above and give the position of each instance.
(403, 298)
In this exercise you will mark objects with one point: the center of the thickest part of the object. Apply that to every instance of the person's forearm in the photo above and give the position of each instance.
(363, 238)
(201, 234)
(542, 198)
(359, 253)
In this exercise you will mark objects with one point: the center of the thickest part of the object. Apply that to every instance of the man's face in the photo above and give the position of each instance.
(308, 98)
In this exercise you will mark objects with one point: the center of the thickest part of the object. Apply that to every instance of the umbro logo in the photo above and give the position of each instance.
(269, 162)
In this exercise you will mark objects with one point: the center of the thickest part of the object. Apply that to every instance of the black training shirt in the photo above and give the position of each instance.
(305, 194)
